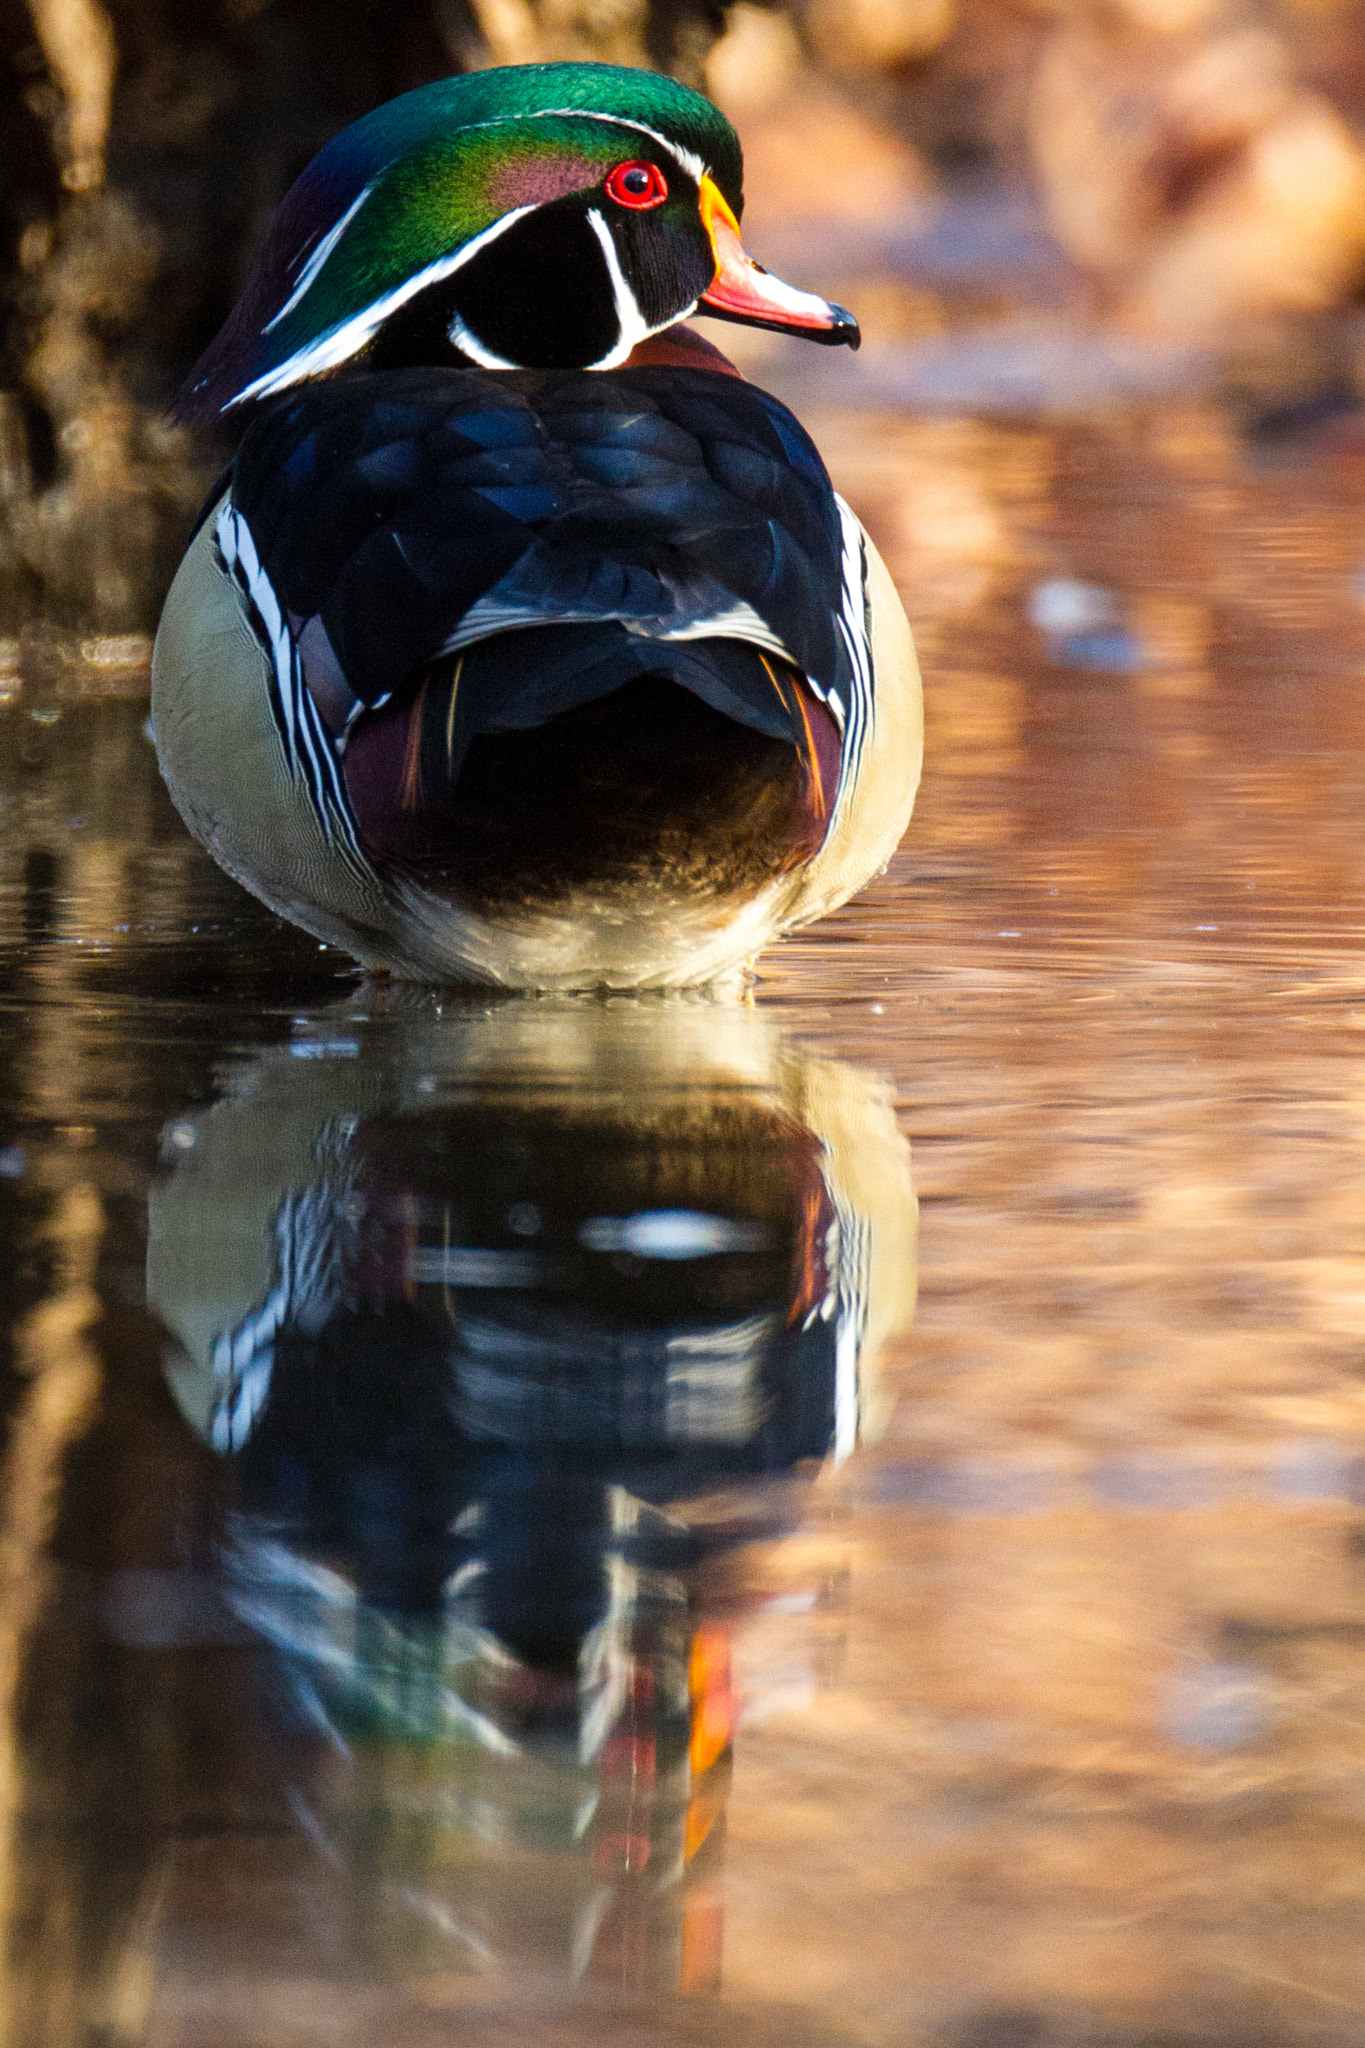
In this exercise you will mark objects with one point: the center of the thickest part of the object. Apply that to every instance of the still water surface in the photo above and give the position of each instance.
(492, 1550)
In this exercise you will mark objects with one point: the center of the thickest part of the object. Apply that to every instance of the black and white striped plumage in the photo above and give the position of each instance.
(423, 511)
(530, 644)
(392, 1265)
(431, 560)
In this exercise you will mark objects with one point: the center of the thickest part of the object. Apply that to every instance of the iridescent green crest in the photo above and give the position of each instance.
(410, 193)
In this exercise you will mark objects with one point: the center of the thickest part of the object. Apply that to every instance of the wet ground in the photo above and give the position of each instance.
(492, 1551)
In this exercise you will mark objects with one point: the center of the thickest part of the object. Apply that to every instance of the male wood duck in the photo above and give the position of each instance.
(528, 644)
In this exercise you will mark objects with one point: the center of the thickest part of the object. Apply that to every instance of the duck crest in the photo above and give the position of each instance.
(413, 193)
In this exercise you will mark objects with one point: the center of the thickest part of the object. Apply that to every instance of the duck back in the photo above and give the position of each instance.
(592, 647)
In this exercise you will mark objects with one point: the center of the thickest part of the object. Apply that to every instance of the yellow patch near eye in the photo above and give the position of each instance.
(714, 206)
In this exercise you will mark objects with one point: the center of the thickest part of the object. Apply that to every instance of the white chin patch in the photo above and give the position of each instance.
(463, 337)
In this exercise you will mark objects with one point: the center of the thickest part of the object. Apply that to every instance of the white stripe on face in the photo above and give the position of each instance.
(681, 155)
(630, 321)
(319, 257)
(350, 335)
(467, 342)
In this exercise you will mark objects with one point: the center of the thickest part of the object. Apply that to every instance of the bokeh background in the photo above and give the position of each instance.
(1038, 206)
(1088, 1774)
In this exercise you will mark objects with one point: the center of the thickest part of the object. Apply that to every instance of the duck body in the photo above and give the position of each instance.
(550, 674)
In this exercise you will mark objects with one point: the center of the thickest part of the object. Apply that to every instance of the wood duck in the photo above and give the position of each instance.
(526, 643)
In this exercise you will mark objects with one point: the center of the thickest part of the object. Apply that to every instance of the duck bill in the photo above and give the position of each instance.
(743, 290)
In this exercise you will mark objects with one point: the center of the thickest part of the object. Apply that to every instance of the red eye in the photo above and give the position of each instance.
(638, 185)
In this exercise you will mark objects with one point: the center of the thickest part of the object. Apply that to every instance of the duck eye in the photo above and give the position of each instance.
(637, 185)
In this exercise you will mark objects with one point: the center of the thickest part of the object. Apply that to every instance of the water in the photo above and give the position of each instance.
(488, 1554)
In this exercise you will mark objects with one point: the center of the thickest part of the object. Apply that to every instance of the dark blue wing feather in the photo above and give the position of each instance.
(392, 503)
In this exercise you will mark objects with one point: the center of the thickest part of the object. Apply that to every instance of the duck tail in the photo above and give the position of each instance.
(406, 762)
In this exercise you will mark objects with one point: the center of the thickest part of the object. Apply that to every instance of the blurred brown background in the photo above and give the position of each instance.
(1171, 181)
(1090, 1773)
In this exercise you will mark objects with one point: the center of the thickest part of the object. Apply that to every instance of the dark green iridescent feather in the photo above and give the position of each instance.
(439, 167)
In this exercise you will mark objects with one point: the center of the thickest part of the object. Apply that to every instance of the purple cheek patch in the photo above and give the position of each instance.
(535, 180)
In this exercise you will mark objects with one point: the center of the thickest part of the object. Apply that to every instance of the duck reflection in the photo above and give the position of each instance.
(515, 1328)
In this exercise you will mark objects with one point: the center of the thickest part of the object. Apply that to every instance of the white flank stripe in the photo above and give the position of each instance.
(239, 552)
(855, 633)
(309, 754)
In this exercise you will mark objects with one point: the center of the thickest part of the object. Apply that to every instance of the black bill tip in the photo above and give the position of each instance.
(845, 331)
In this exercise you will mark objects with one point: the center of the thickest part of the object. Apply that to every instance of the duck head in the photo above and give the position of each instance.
(541, 216)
